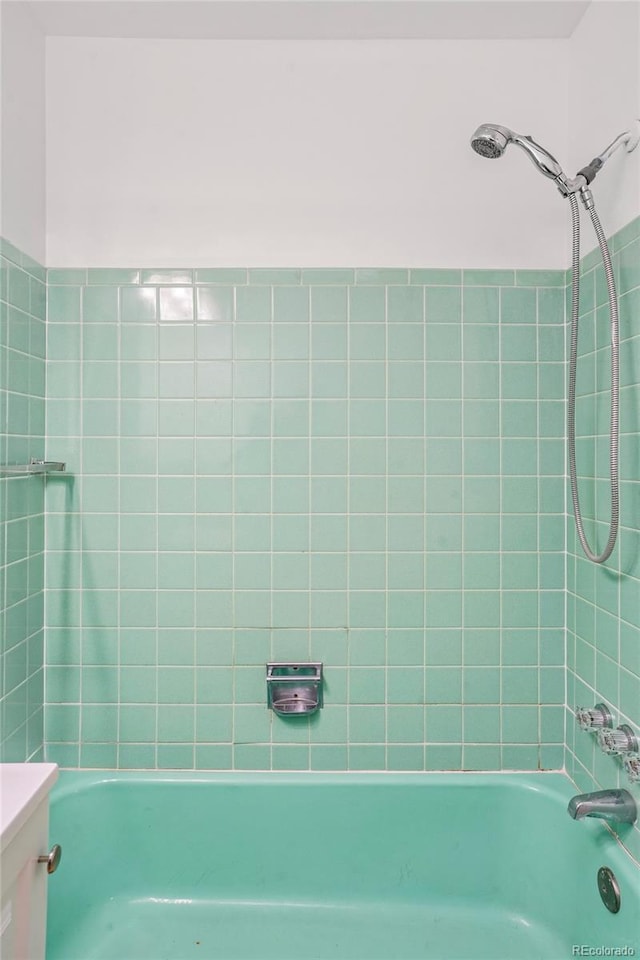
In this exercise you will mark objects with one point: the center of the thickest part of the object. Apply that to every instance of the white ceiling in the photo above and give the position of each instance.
(310, 19)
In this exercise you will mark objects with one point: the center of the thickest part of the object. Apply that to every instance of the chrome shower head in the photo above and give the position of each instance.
(487, 147)
(491, 140)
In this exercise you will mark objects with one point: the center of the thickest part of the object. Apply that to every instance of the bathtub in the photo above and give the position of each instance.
(434, 866)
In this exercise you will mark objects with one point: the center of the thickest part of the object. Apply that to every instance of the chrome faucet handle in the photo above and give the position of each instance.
(620, 741)
(594, 718)
(631, 764)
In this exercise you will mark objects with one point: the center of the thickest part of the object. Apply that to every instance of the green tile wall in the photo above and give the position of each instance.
(603, 608)
(364, 467)
(22, 424)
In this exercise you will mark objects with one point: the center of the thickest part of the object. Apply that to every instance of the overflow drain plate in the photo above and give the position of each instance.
(608, 889)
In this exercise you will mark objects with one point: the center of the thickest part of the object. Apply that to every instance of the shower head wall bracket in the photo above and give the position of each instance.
(634, 137)
(629, 140)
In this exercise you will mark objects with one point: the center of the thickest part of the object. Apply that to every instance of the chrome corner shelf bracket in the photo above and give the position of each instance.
(33, 467)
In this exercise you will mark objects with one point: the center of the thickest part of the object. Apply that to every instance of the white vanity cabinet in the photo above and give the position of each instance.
(24, 822)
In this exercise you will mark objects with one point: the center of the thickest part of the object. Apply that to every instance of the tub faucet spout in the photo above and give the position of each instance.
(615, 805)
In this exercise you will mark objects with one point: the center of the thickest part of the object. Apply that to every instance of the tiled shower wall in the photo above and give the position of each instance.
(603, 609)
(22, 421)
(364, 467)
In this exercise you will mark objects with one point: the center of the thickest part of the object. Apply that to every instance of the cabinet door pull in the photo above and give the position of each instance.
(52, 859)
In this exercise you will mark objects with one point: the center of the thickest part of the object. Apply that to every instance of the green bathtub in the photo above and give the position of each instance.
(369, 866)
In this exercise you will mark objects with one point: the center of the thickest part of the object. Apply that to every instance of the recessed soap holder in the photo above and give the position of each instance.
(294, 689)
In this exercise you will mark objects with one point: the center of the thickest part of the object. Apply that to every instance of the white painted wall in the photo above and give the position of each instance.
(311, 19)
(22, 130)
(205, 152)
(605, 99)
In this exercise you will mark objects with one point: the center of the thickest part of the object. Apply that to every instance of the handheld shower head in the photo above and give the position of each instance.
(491, 140)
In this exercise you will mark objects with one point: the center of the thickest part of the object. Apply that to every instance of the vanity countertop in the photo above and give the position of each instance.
(22, 787)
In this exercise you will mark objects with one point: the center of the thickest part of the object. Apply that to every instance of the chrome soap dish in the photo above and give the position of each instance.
(294, 689)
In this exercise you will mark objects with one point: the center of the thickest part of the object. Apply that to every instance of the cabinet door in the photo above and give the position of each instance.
(23, 904)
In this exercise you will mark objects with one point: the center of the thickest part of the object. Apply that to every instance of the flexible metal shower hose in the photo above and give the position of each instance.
(615, 382)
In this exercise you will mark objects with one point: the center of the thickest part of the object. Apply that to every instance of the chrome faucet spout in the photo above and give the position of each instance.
(617, 806)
